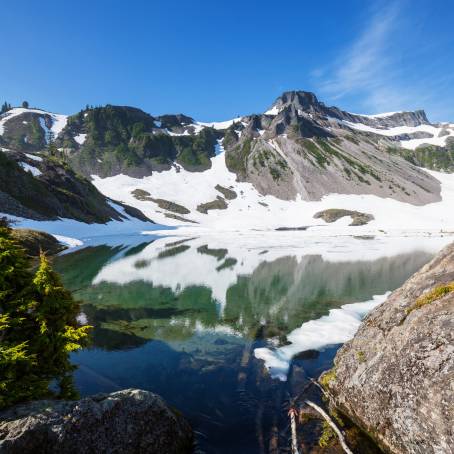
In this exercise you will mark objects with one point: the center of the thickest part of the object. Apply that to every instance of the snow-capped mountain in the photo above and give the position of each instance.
(273, 169)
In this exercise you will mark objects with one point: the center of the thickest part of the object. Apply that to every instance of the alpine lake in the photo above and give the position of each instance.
(183, 316)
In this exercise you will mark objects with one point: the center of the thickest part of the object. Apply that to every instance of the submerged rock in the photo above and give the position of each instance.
(395, 378)
(128, 421)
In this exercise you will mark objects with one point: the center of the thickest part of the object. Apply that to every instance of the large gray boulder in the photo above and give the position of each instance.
(395, 379)
(128, 421)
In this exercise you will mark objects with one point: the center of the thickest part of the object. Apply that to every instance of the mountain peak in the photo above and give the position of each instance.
(299, 99)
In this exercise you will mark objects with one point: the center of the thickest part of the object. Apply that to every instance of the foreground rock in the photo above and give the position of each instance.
(395, 379)
(128, 421)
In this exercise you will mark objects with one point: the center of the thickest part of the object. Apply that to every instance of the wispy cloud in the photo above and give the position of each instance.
(363, 64)
(385, 68)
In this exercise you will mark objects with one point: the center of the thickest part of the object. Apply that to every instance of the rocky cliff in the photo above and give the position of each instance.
(395, 379)
(128, 422)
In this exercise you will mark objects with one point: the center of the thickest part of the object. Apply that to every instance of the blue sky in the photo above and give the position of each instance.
(214, 60)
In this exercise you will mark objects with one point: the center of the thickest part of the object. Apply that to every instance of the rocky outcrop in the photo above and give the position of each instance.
(34, 242)
(128, 422)
(395, 378)
(334, 214)
(300, 147)
(46, 188)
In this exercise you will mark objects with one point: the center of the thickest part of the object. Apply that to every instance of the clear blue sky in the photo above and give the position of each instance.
(216, 59)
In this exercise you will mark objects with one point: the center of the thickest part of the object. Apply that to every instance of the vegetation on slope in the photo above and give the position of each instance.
(57, 192)
(124, 138)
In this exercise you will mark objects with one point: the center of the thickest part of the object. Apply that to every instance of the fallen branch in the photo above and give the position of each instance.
(331, 423)
(292, 413)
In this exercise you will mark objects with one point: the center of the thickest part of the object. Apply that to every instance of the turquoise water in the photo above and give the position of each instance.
(182, 319)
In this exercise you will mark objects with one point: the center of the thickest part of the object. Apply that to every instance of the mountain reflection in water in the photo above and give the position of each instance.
(182, 317)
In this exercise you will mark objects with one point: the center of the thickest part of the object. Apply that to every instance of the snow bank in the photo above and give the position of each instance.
(220, 124)
(410, 144)
(251, 210)
(70, 242)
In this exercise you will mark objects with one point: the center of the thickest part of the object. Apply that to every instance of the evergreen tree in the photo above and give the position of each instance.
(59, 330)
(25, 104)
(38, 328)
(5, 107)
(51, 147)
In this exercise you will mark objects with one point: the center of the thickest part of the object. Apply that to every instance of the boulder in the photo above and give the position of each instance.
(395, 378)
(127, 421)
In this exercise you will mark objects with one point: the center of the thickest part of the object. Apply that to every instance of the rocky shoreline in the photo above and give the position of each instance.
(130, 421)
(394, 379)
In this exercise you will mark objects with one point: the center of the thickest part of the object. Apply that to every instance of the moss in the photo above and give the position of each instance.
(328, 436)
(327, 377)
(431, 296)
(361, 357)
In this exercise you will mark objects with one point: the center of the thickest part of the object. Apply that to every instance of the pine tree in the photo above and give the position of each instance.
(25, 104)
(18, 379)
(5, 107)
(38, 328)
(59, 331)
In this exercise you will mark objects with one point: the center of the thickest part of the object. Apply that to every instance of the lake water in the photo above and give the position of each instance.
(183, 317)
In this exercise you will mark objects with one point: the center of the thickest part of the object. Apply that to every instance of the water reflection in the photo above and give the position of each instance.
(182, 317)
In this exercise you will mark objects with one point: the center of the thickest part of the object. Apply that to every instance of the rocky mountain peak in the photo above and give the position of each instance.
(302, 101)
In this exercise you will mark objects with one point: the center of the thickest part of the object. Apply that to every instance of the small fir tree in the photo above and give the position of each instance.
(38, 328)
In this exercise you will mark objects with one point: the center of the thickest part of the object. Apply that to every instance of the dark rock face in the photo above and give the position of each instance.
(34, 241)
(395, 378)
(129, 422)
(56, 192)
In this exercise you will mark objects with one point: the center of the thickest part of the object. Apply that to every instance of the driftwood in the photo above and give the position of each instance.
(331, 423)
(292, 413)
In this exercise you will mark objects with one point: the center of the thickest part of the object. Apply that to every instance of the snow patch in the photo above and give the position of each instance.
(58, 120)
(28, 168)
(379, 115)
(220, 124)
(410, 144)
(34, 157)
(68, 241)
(273, 111)
(80, 138)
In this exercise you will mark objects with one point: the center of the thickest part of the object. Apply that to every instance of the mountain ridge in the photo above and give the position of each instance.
(298, 149)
